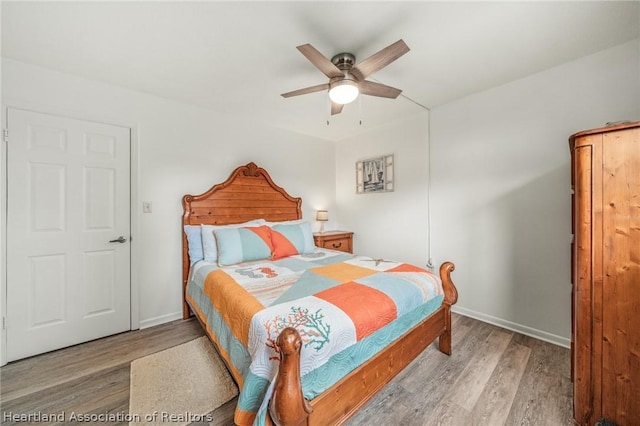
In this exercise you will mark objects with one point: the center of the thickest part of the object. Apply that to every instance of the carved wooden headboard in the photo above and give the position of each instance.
(248, 193)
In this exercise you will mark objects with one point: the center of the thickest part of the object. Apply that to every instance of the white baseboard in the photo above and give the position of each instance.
(160, 320)
(519, 328)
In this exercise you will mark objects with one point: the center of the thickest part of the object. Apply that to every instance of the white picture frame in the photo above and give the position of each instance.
(374, 175)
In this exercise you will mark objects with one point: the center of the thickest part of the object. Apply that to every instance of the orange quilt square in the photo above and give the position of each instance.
(368, 308)
(343, 272)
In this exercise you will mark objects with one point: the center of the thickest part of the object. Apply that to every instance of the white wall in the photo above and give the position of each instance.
(390, 225)
(500, 179)
(501, 186)
(178, 149)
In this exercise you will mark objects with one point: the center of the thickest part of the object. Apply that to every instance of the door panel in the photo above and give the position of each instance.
(46, 204)
(99, 267)
(47, 290)
(68, 189)
(99, 195)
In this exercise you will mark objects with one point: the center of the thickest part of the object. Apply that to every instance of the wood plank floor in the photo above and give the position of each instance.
(494, 377)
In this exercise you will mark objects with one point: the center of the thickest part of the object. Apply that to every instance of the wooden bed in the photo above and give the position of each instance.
(249, 193)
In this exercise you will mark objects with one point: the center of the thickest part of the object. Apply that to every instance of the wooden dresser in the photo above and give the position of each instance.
(335, 240)
(605, 273)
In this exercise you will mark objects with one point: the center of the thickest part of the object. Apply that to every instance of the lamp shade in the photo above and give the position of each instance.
(322, 215)
(343, 91)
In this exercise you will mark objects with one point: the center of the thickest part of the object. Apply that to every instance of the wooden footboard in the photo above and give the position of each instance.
(334, 406)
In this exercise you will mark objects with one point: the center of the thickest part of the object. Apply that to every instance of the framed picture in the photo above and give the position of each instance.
(374, 175)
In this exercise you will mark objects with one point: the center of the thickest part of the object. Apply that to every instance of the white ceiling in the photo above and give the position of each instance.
(238, 57)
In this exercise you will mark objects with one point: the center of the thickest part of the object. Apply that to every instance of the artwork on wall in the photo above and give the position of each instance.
(374, 175)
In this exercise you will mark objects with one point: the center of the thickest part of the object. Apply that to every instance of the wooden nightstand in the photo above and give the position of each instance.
(335, 240)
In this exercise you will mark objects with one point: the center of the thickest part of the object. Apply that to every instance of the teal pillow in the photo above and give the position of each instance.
(209, 244)
(289, 240)
(237, 245)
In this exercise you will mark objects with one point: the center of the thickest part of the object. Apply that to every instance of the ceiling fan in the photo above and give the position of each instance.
(346, 78)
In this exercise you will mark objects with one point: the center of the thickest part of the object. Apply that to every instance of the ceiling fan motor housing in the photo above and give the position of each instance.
(344, 61)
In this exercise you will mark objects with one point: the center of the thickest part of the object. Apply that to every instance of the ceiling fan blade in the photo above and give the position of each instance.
(312, 89)
(319, 60)
(336, 108)
(379, 60)
(377, 89)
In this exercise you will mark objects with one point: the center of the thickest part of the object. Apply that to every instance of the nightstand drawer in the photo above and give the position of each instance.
(335, 240)
(342, 244)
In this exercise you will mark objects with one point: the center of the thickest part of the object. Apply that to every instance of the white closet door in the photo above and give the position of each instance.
(68, 198)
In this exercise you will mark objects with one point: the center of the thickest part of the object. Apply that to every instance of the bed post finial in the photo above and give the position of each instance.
(288, 407)
(450, 298)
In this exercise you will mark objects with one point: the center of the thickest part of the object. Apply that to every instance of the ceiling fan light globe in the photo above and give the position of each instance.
(344, 92)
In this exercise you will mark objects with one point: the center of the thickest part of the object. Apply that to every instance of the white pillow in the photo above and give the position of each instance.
(209, 245)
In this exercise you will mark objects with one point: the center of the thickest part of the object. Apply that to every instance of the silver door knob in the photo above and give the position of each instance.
(120, 240)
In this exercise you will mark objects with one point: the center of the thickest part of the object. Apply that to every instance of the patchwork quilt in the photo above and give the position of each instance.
(346, 309)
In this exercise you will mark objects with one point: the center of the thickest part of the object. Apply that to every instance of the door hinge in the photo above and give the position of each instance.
(5, 135)
(4, 323)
